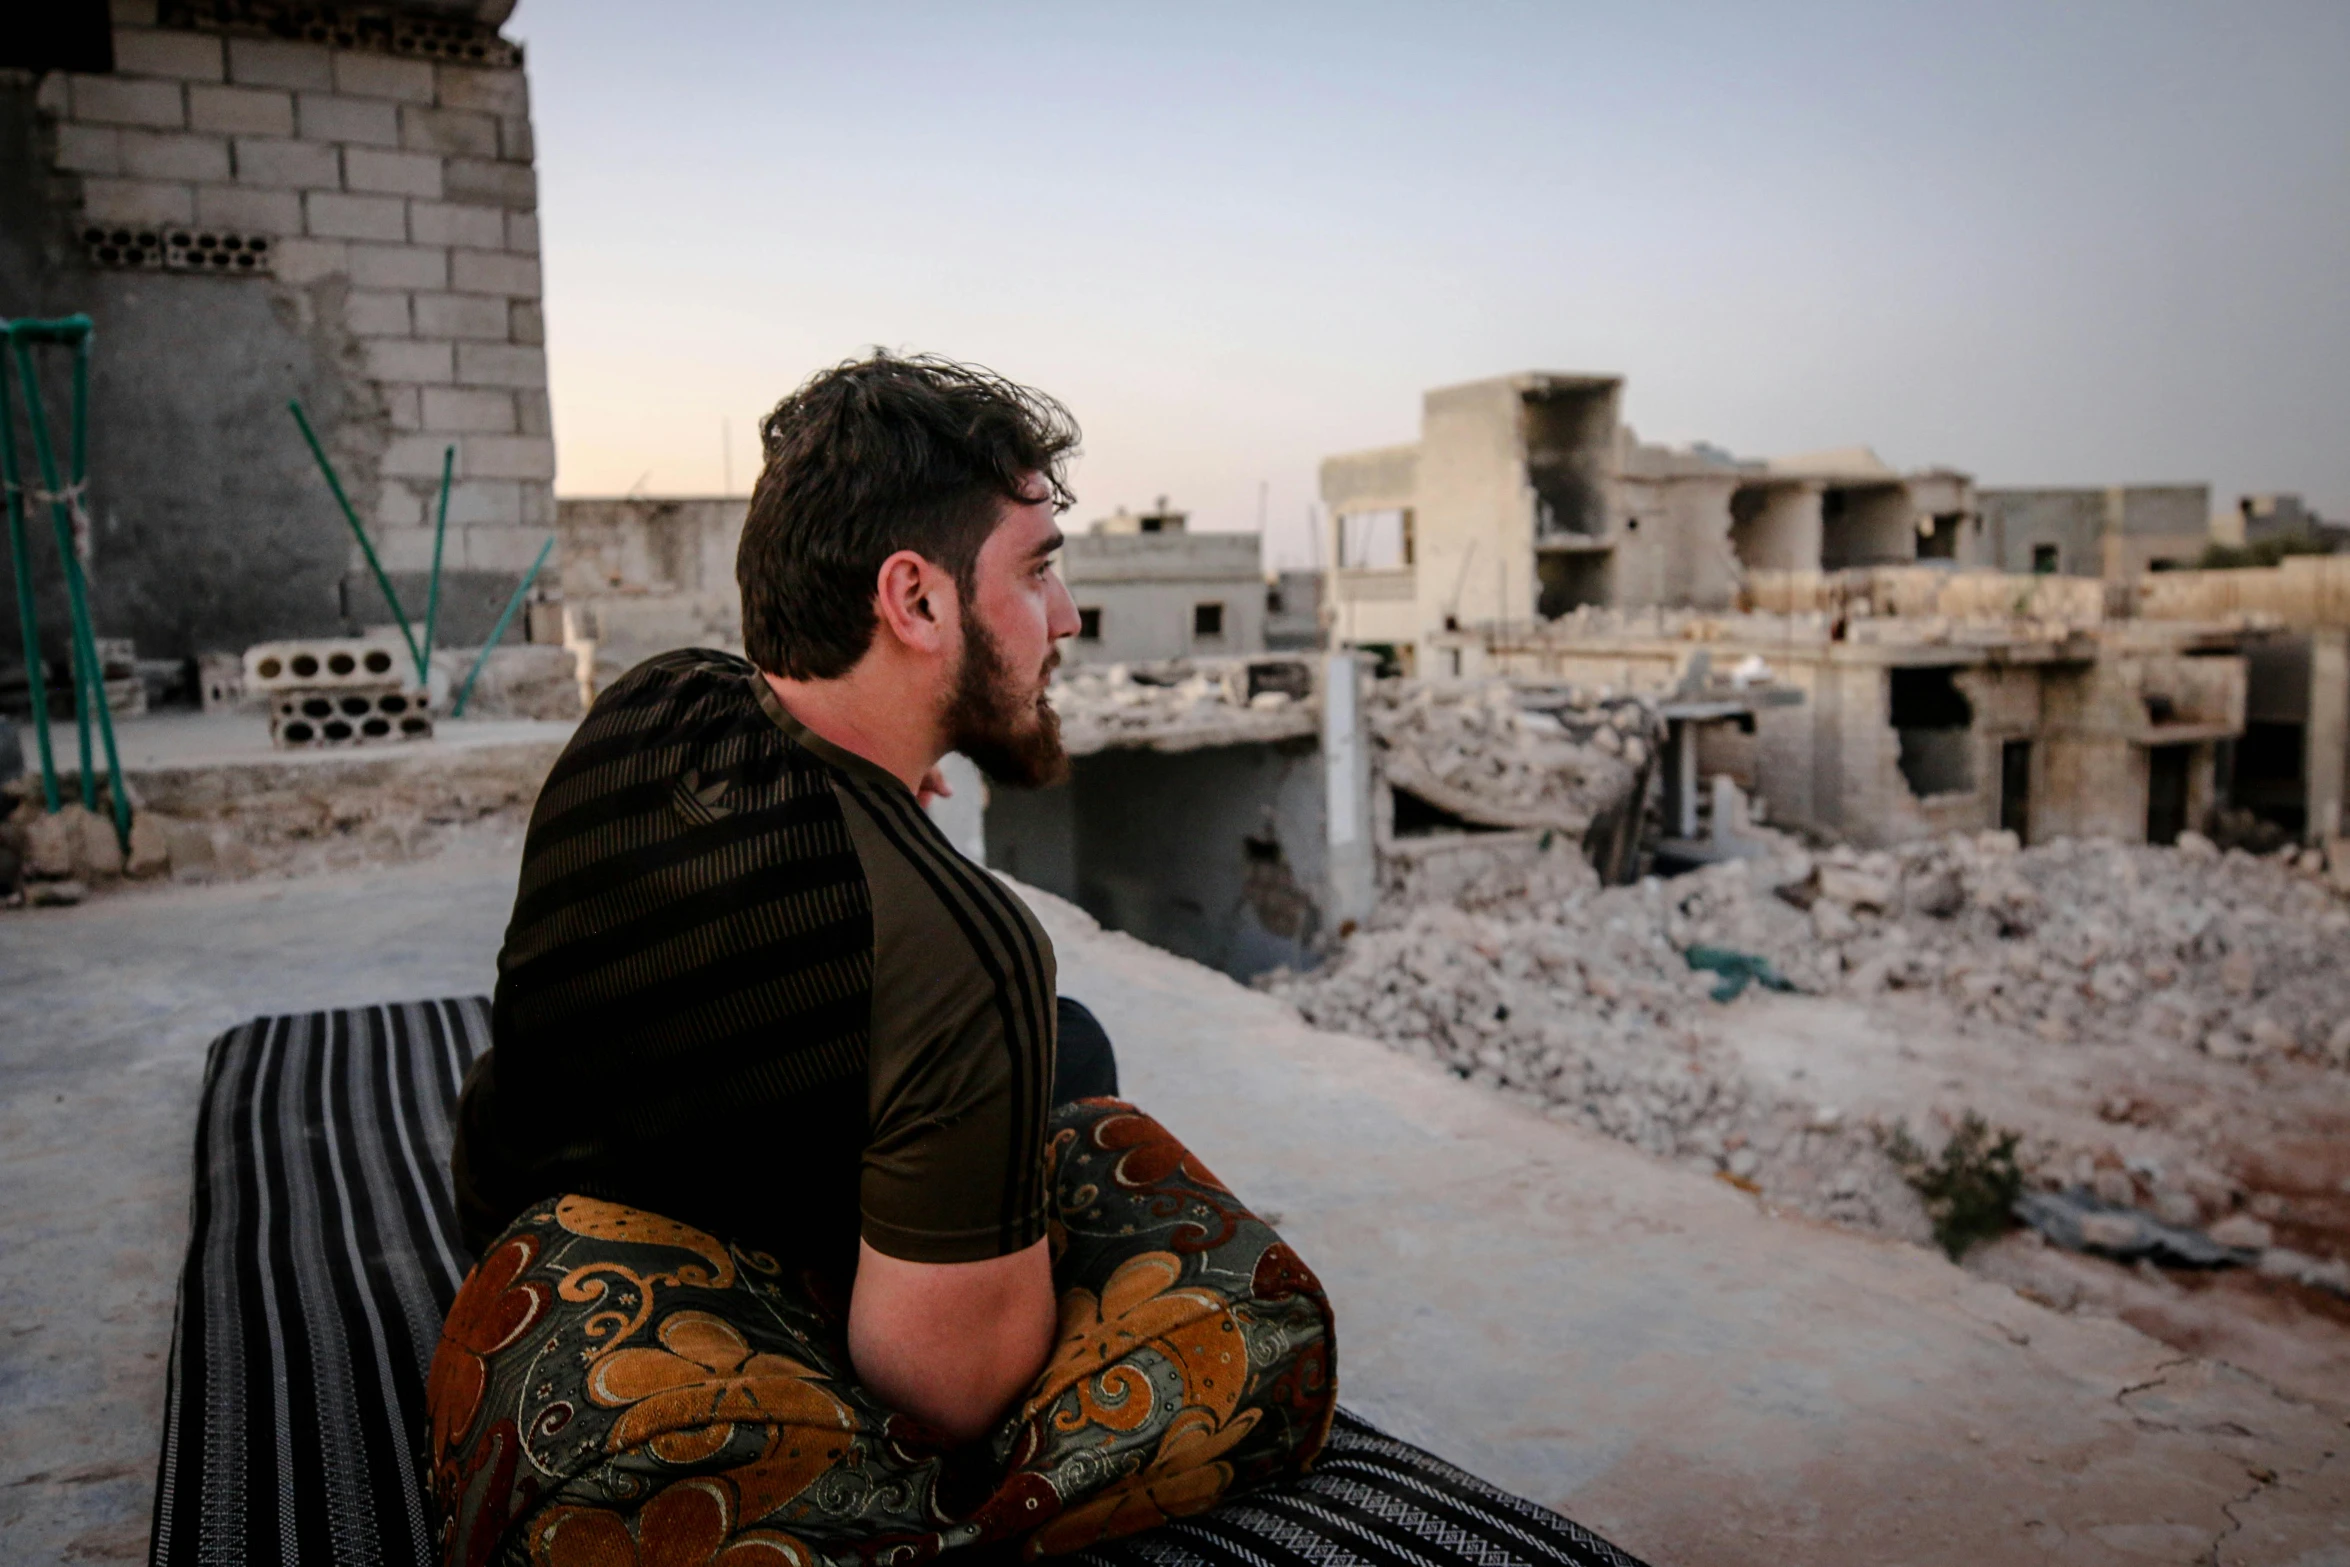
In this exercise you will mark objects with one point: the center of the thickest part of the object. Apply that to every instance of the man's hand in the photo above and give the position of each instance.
(952, 1343)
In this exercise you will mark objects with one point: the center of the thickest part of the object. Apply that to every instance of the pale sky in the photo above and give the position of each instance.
(2066, 244)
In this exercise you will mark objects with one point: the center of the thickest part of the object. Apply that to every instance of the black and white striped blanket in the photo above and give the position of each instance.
(324, 1254)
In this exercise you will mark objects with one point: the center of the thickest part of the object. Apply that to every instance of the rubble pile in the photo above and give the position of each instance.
(1587, 1007)
(1510, 755)
(1180, 704)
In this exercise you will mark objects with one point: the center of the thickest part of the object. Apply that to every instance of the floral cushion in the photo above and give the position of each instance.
(613, 1387)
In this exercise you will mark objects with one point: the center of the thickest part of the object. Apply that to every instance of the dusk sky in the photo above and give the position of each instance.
(2073, 244)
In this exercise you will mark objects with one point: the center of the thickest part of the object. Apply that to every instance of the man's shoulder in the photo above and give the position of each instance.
(934, 909)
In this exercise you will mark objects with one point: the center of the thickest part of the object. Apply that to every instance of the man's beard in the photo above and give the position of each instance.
(1012, 738)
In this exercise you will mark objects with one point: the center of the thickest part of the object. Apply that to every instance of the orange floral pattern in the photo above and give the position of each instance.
(615, 1388)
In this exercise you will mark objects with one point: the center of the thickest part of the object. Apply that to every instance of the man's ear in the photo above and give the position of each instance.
(916, 602)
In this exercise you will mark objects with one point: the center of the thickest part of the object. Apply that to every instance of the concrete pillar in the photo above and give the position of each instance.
(1346, 770)
(2325, 754)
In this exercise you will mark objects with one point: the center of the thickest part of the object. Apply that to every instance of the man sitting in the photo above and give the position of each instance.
(765, 1043)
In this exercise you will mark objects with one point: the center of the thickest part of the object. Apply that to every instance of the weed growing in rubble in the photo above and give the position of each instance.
(1970, 1189)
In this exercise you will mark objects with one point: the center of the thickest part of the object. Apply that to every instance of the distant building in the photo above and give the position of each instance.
(1148, 588)
(2115, 531)
(1527, 497)
(1293, 610)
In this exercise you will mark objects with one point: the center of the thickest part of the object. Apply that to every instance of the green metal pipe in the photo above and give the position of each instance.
(351, 516)
(77, 598)
(432, 600)
(457, 708)
(20, 557)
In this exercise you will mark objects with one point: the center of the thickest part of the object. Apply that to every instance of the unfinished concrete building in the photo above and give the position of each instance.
(1527, 496)
(262, 202)
(2114, 532)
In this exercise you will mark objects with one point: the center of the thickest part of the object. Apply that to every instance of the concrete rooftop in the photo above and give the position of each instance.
(1628, 1342)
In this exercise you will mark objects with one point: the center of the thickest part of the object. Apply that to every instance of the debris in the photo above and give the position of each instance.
(1969, 1188)
(2078, 1220)
(1737, 969)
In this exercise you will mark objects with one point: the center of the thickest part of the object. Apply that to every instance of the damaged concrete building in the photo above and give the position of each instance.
(1954, 672)
(264, 202)
(1527, 496)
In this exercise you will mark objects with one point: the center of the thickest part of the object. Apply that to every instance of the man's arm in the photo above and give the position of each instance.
(952, 1343)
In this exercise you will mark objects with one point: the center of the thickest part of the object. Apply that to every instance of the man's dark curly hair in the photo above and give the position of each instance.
(874, 456)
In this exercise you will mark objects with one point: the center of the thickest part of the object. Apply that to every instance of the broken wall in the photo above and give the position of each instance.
(1217, 854)
(1672, 542)
(390, 197)
(644, 574)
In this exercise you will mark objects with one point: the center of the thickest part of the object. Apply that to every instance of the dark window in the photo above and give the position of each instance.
(2043, 560)
(1935, 722)
(2166, 792)
(1272, 601)
(60, 35)
(1089, 625)
(1207, 620)
(2015, 788)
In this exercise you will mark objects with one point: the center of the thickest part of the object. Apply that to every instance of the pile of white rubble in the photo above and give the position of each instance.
(1586, 1006)
(1506, 755)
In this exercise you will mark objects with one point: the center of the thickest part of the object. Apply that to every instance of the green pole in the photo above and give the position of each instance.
(351, 516)
(77, 664)
(432, 600)
(457, 708)
(20, 557)
(76, 594)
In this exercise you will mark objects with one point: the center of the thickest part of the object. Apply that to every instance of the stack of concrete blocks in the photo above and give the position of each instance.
(394, 200)
(332, 694)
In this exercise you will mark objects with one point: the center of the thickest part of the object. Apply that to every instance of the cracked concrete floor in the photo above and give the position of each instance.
(1626, 1341)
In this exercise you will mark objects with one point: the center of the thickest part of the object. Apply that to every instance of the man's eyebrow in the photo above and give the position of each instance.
(1047, 546)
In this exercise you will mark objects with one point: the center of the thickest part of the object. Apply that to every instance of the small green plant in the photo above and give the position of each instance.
(1970, 1189)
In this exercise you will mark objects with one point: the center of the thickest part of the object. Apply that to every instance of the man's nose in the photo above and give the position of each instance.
(1060, 609)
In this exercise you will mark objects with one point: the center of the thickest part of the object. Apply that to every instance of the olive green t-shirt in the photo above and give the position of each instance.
(749, 985)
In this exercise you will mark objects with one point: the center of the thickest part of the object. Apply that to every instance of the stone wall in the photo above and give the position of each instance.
(390, 198)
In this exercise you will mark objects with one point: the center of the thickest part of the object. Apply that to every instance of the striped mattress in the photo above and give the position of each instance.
(324, 1253)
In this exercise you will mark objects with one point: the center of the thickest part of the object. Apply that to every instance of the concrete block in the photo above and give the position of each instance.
(475, 317)
(494, 92)
(522, 233)
(516, 144)
(367, 75)
(462, 132)
(508, 457)
(528, 323)
(268, 62)
(469, 410)
(404, 549)
(150, 850)
(137, 201)
(91, 149)
(250, 211)
(310, 260)
(503, 549)
(502, 184)
(241, 111)
(54, 95)
(491, 502)
(442, 223)
(324, 664)
(131, 13)
(363, 122)
(537, 506)
(533, 415)
(500, 364)
(406, 359)
(333, 216)
(303, 720)
(392, 173)
(416, 456)
(174, 155)
(188, 57)
(117, 100)
(494, 272)
(403, 405)
(399, 503)
(373, 313)
(287, 165)
(399, 266)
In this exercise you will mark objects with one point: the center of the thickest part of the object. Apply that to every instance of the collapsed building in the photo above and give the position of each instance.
(2033, 659)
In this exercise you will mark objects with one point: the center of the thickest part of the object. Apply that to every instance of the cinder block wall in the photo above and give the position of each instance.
(392, 191)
